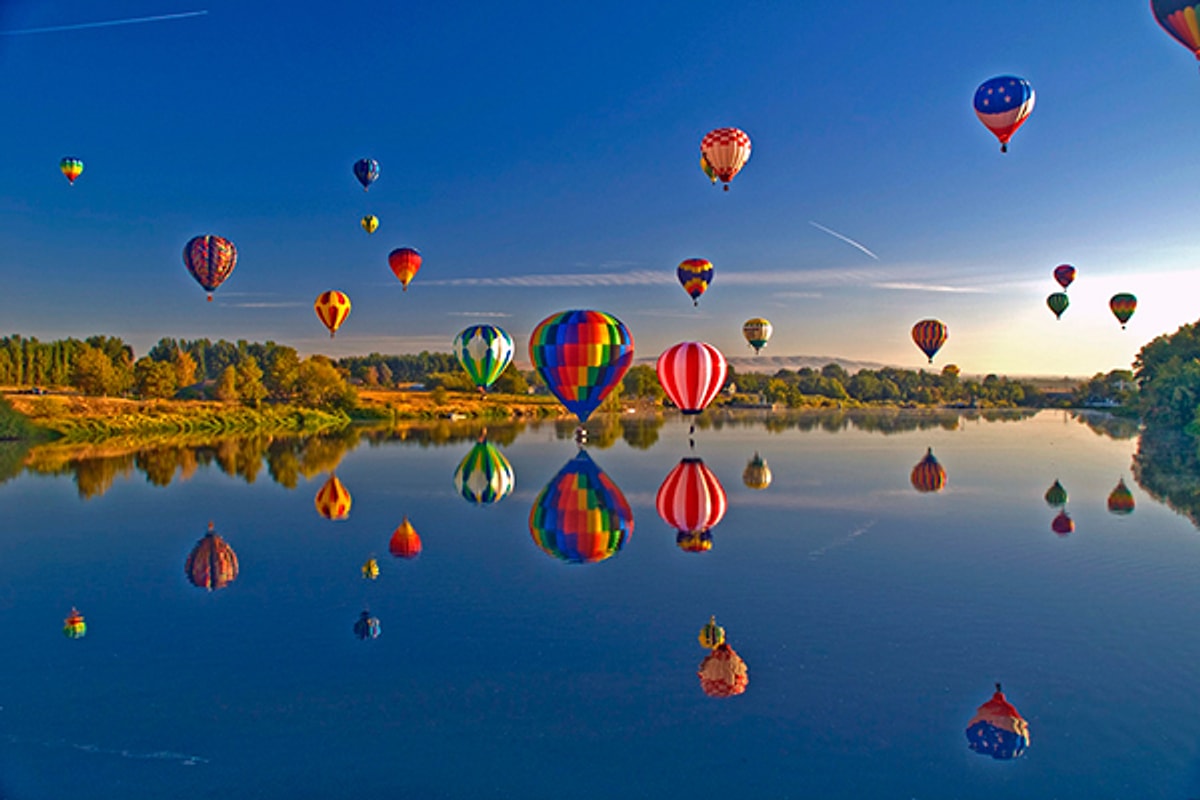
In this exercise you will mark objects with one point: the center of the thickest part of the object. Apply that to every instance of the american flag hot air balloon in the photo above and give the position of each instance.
(1003, 104)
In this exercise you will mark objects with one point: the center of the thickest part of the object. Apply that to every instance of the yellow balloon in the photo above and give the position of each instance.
(370, 223)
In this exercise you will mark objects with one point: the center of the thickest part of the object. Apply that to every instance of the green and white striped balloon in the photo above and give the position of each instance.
(484, 352)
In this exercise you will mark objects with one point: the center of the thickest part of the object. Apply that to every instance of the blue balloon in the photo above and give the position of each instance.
(367, 171)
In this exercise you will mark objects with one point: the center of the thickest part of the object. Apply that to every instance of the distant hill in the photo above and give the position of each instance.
(772, 364)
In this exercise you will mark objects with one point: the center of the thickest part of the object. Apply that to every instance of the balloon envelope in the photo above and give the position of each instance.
(998, 729)
(484, 351)
(367, 627)
(332, 308)
(484, 476)
(726, 150)
(405, 541)
(1120, 499)
(74, 626)
(212, 564)
(581, 355)
(1003, 104)
(712, 635)
(757, 331)
(928, 475)
(581, 516)
(71, 168)
(1062, 524)
(370, 223)
(930, 335)
(695, 274)
(1064, 274)
(1058, 303)
(332, 500)
(1056, 495)
(723, 673)
(404, 263)
(757, 474)
(1179, 19)
(691, 374)
(1123, 305)
(367, 171)
(210, 260)
(691, 499)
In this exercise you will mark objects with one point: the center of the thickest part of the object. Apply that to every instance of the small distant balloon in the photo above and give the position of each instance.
(370, 569)
(405, 542)
(332, 308)
(998, 729)
(367, 172)
(695, 274)
(1065, 275)
(1179, 19)
(712, 635)
(726, 150)
(367, 627)
(1123, 305)
(210, 260)
(757, 331)
(1120, 499)
(1056, 495)
(928, 475)
(71, 168)
(757, 474)
(212, 564)
(74, 626)
(1062, 524)
(930, 335)
(332, 500)
(370, 223)
(1058, 303)
(723, 673)
(1003, 104)
(405, 262)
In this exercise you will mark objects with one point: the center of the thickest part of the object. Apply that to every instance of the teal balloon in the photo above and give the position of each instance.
(1058, 303)
(484, 351)
(484, 476)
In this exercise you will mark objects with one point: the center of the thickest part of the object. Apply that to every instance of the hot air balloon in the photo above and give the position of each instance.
(73, 626)
(1120, 499)
(722, 673)
(405, 263)
(1179, 19)
(332, 500)
(210, 260)
(367, 171)
(707, 169)
(756, 475)
(581, 355)
(1123, 305)
(757, 331)
(1062, 524)
(332, 308)
(405, 542)
(712, 635)
(581, 516)
(930, 335)
(1065, 275)
(370, 569)
(691, 374)
(484, 476)
(997, 729)
(370, 223)
(367, 627)
(691, 500)
(695, 274)
(1002, 105)
(694, 541)
(928, 475)
(484, 351)
(726, 150)
(71, 168)
(1056, 495)
(212, 564)
(1058, 303)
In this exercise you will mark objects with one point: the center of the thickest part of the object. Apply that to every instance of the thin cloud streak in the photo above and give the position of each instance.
(264, 305)
(106, 23)
(844, 238)
(927, 287)
(493, 314)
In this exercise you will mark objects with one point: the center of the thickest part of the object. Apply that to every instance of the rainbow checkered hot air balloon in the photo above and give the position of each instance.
(695, 274)
(1003, 104)
(405, 542)
(212, 564)
(332, 500)
(484, 476)
(484, 351)
(581, 516)
(928, 475)
(692, 501)
(581, 355)
(998, 729)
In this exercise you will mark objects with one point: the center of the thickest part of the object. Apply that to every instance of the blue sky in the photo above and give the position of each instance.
(544, 156)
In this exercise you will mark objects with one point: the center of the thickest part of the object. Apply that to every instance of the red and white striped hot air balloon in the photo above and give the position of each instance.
(726, 150)
(691, 373)
(692, 501)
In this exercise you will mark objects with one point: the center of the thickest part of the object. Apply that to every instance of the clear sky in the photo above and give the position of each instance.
(543, 156)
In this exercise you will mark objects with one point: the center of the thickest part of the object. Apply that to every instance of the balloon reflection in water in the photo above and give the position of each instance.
(405, 542)
(484, 475)
(1056, 495)
(712, 635)
(73, 626)
(370, 569)
(1120, 499)
(332, 500)
(692, 501)
(757, 474)
(1062, 524)
(367, 627)
(998, 729)
(581, 516)
(722, 673)
(212, 564)
(928, 475)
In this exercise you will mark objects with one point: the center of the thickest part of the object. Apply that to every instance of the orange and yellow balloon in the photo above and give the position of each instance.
(71, 168)
(332, 308)
(332, 500)
(405, 262)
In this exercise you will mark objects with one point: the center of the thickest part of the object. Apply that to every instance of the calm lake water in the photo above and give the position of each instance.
(874, 618)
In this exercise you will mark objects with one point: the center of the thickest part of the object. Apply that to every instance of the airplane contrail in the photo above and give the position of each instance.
(106, 23)
(845, 239)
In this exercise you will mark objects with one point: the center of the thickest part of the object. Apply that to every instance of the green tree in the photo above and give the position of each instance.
(250, 387)
(320, 385)
(94, 374)
(511, 381)
(641, 382)
(184, 366)
(227, 390)
(152, 378)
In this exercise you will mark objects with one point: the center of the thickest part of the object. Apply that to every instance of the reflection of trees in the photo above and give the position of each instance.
(641, 432)
(1119, 428)
(1167, 467)
(872, 420)
(95, 476)
(12, 458)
